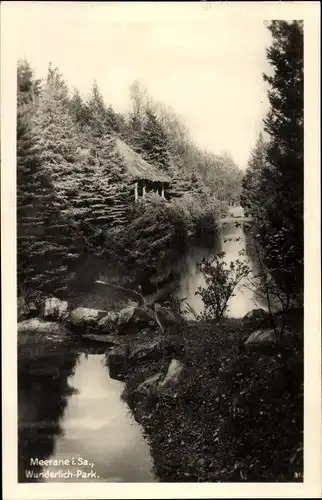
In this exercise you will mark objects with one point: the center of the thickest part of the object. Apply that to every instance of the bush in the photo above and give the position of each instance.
(221, 281)
(201, 213)
(155, 237)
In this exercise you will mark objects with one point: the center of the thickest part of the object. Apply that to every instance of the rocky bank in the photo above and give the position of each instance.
(218, 401)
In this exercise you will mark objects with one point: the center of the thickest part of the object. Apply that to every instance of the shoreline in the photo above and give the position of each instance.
(232, 414)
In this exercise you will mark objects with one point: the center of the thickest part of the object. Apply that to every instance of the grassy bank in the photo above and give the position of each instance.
(238, 413)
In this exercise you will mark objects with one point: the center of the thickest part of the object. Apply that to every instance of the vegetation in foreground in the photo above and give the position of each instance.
(237, 414)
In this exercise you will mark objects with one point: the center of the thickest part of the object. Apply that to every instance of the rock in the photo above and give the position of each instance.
(53, 309)
(132, 319)
(117, 361)
(108, 339)
(145, 352)
(172, 377)
(83, 316)
(107, 324)
(150, 386)
(256, 314)
(37, 325)
(268, 338)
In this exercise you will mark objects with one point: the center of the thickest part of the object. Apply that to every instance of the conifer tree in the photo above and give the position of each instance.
(277, 201)
(46, 154)
(55, 136)
(154, 142)
(78, 109)
(36, 198)
(284, 170)
(97, 118)
(252, 183)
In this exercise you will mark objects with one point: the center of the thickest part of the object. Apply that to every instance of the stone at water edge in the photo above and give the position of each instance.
(108, 322)
(37, 325)
(268, 338)
(151, 350)
(132, 319)
(83, 316)
(108, 339)
(149, 386)
(154, 385)
(53, 309)
(173, 375)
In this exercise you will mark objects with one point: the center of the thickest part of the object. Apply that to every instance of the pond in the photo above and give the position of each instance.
(72, 415)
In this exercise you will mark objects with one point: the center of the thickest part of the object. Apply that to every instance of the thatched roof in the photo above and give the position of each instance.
(137, 167)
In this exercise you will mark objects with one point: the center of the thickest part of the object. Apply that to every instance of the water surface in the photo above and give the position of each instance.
(93, 425)
(231, 241)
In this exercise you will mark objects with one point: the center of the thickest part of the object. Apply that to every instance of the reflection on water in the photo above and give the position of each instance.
(98, 427)
(232, 242)
(42, 398)
(82, 419)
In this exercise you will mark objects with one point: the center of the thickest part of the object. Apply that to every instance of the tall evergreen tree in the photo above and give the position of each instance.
(154, 142)
(98, 118)
(252, 183)
(78, 109)
(278, 211)
(37, 204)
(55, 136)
(46, 155)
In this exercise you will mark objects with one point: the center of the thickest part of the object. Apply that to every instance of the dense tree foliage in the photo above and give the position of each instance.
(73, 186)
(45, 151)
(252, 183)
(273, 185)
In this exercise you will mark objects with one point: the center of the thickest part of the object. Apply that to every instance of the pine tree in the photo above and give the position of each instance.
(281, 214)
(55, 136)
(284, 123)
(154, 142)
(97, 117)
(48, 146)
(252, 183)
(115, 121)
(78, 110)
(36, 198)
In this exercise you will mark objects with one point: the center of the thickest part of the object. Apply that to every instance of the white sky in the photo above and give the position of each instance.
(205, 61)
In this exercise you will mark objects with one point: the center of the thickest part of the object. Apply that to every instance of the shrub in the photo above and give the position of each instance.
(155, 236)
(221, 280)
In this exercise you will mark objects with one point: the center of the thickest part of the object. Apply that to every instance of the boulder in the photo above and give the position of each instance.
(53, 309)
(256, 314)
(37, 325)
(107, 339)
(268, 337)
(150, 386)
(83, 316)
(108, 323)
(172, 378)
(147, 352)
(132, 319)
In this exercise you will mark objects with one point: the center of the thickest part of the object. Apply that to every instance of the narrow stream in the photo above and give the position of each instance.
(71, 411)
(95, 439)
(98, 427)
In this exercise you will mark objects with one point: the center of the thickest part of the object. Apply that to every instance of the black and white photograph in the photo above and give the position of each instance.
(159, 203)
